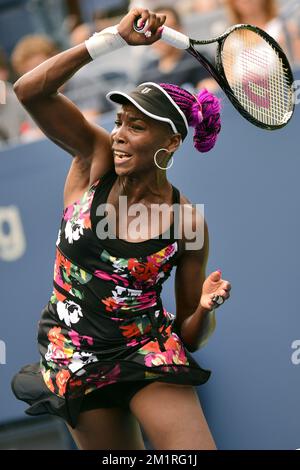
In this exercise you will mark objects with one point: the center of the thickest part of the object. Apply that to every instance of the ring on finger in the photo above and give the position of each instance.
(218, 299)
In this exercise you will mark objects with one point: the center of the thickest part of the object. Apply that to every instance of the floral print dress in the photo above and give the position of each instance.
(105, 322)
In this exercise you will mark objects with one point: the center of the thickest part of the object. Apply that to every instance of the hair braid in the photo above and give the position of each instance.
(202, 112)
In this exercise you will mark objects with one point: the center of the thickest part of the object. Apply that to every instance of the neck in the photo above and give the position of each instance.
(150, 188)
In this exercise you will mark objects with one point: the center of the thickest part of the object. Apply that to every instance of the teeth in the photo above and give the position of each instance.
(121, 154)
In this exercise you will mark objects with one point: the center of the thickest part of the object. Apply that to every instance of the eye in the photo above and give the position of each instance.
(117, 123)
(137, 128)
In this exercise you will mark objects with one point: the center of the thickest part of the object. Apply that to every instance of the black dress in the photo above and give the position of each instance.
(104, 327)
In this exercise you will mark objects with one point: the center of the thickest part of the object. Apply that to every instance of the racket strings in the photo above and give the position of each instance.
(258, 77)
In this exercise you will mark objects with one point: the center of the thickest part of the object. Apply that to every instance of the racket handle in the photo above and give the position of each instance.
(168, 35)
(175, 38)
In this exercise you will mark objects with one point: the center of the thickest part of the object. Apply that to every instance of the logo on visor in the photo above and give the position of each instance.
(146, 90)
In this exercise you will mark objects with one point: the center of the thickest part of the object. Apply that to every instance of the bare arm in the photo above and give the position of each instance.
(55, 114)
(193, 322)
(62, 121)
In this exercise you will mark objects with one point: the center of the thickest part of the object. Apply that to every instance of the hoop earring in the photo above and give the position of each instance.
(161, 167)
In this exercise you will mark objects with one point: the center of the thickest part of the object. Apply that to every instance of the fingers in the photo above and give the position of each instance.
(162, 19)
(215, 300)
(225, 289)
(224, 293)
(154, 23)
(226, 286)
(218, 298)
(154, 20)
(211, 304)
(145, 15)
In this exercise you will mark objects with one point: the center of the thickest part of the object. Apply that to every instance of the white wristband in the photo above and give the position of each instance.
(105, 41)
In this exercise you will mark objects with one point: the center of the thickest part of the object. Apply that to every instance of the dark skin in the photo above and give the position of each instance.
(92, 148)
(140, 136)
(141, 181)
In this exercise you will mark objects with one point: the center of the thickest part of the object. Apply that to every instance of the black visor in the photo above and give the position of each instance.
(155, 102)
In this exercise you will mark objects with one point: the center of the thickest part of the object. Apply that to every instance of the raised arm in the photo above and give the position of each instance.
(60, 119)
(55, 114)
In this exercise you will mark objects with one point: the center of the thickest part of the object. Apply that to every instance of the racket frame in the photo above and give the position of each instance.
(218, 73)
(181, 41)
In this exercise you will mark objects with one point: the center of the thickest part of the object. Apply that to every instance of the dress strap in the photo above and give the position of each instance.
(176, 195)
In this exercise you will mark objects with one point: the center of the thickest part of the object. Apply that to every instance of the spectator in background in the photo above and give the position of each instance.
(80, 33)
(182, 7)
(31, 51)
(49, 19)
(28, 53)
(204, 6)
(152, 4)
(12, 114)
(257, 12)
(88, 87)
(101, 19)
(82, 88)
(172, 65)
(264, 14)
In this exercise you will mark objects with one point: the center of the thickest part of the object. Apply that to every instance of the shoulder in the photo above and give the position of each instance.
(193, 214)
(101, 160)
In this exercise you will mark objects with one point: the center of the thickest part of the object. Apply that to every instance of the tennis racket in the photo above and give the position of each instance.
(250, 67)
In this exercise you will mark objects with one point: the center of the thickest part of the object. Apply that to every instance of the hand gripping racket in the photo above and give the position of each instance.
(250, 67)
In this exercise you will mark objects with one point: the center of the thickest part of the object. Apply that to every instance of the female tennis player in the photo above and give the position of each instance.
(112, 358)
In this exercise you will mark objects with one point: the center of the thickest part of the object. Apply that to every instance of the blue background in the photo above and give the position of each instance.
(249, 185)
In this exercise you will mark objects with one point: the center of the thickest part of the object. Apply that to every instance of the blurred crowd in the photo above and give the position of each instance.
(58, 24)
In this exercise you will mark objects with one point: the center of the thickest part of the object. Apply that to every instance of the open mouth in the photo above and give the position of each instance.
(121, 156)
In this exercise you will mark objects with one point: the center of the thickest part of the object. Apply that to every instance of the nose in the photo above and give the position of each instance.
(119, 134)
